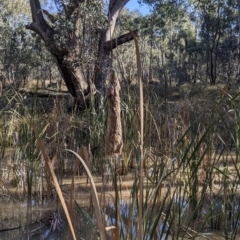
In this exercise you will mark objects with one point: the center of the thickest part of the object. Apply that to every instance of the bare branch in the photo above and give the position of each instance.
(110, 45)
(49, 15)
(37, 15)
(36, 28)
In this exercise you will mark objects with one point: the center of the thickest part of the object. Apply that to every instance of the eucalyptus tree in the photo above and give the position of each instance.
(211, 33)
(202, 36)
(173, 33)
(218, 25)
(78, 34)
(13, 15)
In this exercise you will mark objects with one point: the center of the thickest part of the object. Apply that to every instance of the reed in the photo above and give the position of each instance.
(50, 169)
(96, 204)
(139, 74)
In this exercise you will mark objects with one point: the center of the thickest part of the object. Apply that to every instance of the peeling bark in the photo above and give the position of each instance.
(114, 142)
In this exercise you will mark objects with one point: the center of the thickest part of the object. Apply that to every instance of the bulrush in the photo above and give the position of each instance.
(114, 143)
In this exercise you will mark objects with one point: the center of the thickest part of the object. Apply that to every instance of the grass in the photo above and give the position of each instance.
(190, 161)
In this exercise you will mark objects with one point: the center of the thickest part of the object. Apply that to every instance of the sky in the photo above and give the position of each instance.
(134, 5)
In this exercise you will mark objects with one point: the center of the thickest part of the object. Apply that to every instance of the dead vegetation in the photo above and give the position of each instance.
(190, 159)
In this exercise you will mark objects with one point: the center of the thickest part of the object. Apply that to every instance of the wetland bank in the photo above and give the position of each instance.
(190, 167)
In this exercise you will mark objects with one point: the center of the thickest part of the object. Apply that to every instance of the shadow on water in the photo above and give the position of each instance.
(30, 219)
(21, 218)
(25, 219)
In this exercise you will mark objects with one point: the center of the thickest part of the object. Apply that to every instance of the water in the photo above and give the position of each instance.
(36, 218)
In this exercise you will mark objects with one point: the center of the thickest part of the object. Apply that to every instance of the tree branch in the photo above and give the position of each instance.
(49, 15)
(37, 15)
(37, 29)
(110, 45)
(116, 5)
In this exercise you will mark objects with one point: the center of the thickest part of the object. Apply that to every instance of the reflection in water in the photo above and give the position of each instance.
(21, 220)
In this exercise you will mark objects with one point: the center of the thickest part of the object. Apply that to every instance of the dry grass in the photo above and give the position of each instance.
(96, 205)
(183, 162)
(35, 84)
(50, 168)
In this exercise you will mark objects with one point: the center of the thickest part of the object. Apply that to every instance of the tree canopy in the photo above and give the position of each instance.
(179, 40)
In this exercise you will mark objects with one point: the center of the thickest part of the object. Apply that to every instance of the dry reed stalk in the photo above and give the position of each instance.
(72, 205)
(50, 169)
(95, 198)
(40, 184)
(114, 142)
(140, 217)
(86, 154)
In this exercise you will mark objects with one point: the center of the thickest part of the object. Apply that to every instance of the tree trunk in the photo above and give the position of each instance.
(107, 44)
(67, 56)
(74, 80)
(64, 56)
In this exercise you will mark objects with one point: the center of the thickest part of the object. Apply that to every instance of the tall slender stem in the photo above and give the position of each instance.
(140, 217)
(116, 199)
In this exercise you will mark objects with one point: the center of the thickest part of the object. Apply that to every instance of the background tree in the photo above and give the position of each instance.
(22, 55)
(200, 39)
(12, 17)
(179, 41)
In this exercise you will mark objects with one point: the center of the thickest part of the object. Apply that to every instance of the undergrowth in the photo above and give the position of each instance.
(190, 162)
